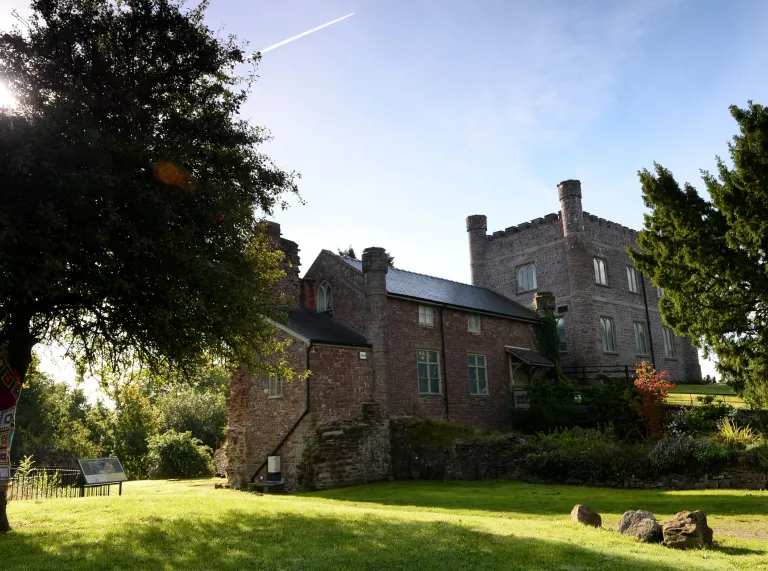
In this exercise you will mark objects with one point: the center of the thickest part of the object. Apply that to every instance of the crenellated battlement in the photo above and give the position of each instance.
(525, 226)
(614, 225)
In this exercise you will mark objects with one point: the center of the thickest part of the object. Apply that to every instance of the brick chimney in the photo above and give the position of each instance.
(375, 268)
(288, 287)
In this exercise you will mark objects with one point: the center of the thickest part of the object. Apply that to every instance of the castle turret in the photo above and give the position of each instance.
(571, 212)
(288, 287)
(375, 268)
(477, 225)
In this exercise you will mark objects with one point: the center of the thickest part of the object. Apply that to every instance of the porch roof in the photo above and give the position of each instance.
(529, 357)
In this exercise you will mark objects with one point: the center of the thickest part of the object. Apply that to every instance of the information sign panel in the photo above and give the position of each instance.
(102, 470)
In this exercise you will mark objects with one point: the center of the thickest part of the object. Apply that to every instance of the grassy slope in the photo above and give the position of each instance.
(416, 525)
(703, 389)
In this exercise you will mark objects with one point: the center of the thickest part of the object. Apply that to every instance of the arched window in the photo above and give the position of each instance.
(324, 297)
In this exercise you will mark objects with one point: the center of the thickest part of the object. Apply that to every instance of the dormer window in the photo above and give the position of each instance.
(324, 297)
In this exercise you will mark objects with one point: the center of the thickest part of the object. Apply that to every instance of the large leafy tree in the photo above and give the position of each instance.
(130, 189)
(709, 255)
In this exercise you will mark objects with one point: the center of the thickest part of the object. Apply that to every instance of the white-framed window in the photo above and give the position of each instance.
(660, 292)
(473, 323)
(669, 344)
(633, 279)
(275, 388)
(561, 334)
(608, 334)
(641, 338)
(526, 278)
(601, 275)
(478, 374)
(324, 297)
(426, 315)
(428, 366)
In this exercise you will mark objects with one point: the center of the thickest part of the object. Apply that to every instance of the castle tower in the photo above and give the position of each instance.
(375, 268)
(477, 225)
(571, 213)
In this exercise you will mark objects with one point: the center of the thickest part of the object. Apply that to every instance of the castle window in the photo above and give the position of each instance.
(428, 366)
(526, 278)
(608, 334)
(601, 275)
(633, 278)
(561, 334)
(669, 344)
(478, 377)
(473, 323)
(641, 339)
(324, 297)
(660, 292)
(275, 388)
(426, 316)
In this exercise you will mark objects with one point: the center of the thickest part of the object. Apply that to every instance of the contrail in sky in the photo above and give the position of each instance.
(277, 45)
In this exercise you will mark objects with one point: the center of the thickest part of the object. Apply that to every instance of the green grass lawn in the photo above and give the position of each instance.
(413, 525)
(687, 394)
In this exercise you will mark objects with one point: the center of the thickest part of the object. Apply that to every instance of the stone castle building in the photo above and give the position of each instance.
(608, 313)
(380, 343)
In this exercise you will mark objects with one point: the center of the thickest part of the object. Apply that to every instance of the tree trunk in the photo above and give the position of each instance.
(18, 343)
(4, 525)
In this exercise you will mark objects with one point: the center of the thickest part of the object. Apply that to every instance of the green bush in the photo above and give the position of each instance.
(679, 454)
(756, 455)
(201, 412)
(701, 419)
(178, 455)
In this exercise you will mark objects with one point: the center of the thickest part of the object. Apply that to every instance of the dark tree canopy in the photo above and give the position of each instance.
(130, 189)
(349, 252)
(710, 255)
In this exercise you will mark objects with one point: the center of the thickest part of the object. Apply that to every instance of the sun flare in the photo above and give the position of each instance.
(6, 97)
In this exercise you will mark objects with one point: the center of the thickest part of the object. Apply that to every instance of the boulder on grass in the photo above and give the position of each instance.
(642, 525)
(583, 514)
(687, 530)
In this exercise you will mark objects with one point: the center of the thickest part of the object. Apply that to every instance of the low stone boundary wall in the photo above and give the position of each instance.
(502, 458)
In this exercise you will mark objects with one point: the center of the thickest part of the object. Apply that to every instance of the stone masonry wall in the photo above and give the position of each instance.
(406, 336)
(257, 423)
(347, 285)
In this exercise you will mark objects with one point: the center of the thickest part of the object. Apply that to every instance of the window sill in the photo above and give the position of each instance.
(527, 290)
(430, 394)
(643, 355)
(427, 326)
(635, 292)
(603, 285)
(275, 398)
(474, 332)
(671, 358)
(610, 353)
(479, 394)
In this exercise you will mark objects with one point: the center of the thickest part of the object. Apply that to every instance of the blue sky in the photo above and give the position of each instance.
(411, 115)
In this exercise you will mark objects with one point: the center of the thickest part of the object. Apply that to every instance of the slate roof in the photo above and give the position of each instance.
(529, 357)
(438, 290)
(321, 328)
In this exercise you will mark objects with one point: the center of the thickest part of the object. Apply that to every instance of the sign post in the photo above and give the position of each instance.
(101, 472)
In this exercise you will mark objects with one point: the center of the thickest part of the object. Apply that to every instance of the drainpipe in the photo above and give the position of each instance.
(445, 369)
(648, 320)
(287, 434)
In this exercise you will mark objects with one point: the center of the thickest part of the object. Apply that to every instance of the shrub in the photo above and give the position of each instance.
(701, 419)
(737, 436)
(756, 455)
(685, 455)
(653, 388)
(201, 412)
(178, 455)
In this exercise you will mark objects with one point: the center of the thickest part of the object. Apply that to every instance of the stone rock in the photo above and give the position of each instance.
(687, 530)
(642, 525)
(583, 514)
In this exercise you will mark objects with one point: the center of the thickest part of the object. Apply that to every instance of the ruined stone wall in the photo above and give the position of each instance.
(407, 336)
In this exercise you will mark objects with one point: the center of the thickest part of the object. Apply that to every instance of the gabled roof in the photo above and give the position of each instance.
(438, 290)
(321, 328)
(529, 357)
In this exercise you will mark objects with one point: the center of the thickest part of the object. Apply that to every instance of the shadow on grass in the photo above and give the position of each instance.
(519, 497)
(264, 540)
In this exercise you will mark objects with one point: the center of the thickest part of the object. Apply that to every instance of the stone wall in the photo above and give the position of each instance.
(406, 337)
(345, 452)
(348, 288)
(501, 457)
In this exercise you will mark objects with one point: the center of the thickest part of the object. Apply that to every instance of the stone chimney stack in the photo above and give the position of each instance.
(308, 298)
(571, 213)
(544, 303)
(375, 268)
(477, 225)
(288, 287)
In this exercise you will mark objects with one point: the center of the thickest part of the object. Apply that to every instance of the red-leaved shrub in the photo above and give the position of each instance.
(653, 388)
